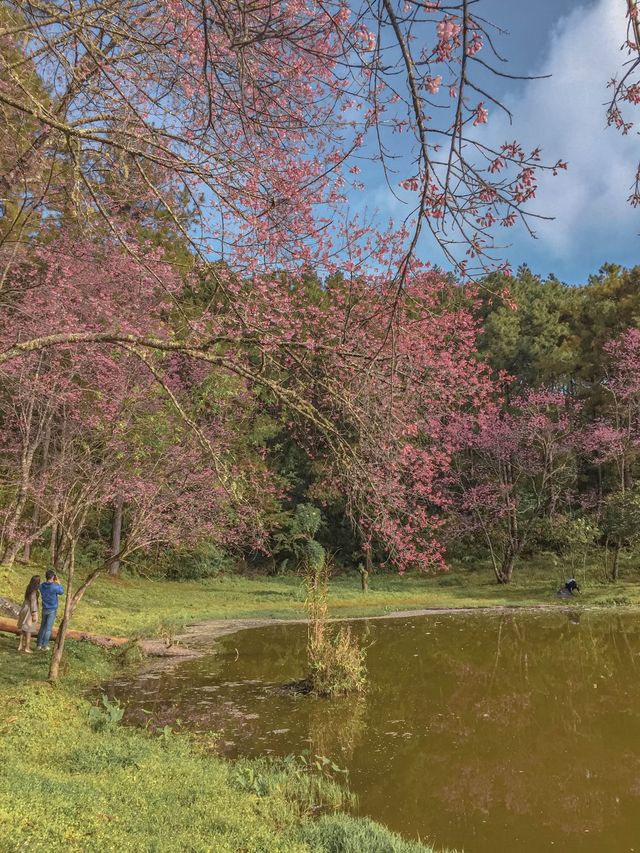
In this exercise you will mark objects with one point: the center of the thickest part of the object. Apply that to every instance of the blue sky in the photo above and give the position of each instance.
(578, 43)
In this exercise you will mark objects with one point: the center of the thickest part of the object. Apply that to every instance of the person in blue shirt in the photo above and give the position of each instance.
(50, 591)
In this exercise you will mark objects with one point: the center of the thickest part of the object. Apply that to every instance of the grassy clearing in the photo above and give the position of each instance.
(69, 786)
(134, 606)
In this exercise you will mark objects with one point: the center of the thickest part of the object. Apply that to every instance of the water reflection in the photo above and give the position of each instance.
(514, 732)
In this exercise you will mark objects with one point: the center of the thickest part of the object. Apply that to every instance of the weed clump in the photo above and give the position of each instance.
(341, 833)
(336, 659)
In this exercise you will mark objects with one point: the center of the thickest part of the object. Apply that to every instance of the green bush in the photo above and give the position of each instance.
(336, 662)
(106, 716)
(621, 518)
(465, 549)
(336, 659)
(563, 535)
(343, 834)
(296, 779)
(206, 562)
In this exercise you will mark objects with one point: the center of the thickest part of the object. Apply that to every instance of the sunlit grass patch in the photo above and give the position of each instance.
(70, 785)
(144, 607)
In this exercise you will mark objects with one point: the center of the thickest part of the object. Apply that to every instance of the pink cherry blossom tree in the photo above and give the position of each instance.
(88, 425)
(521, 457)
(613, 439)
(615, 436)
(241, 128)
(246, 126)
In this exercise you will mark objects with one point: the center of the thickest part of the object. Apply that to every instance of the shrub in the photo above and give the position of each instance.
(337, 664)
(106, 716)
(344, 834)
(336, 660)
(297, 779)
(563, 535)
(205, 562)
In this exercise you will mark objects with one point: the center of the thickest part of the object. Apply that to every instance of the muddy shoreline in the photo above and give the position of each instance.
(213, 629)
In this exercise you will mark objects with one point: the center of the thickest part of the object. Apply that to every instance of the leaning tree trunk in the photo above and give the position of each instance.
(70, 604)
(10, 553)
(58, 649)
(34, 536)
(116, 536)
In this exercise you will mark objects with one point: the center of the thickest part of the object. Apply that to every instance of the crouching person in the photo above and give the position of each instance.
(568, 589)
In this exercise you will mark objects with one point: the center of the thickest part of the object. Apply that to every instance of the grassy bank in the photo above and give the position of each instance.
(136, 606)
(73, 779)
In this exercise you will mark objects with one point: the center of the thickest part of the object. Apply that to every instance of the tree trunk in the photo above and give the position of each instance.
(58, 649)
(10, 554)
(615, 569)
(34, 536)
(368, 561)
(116, 537)
(364, 577)
(36, 510)
(505, 571)
(56, 543)
(11, 542)
(28, 542)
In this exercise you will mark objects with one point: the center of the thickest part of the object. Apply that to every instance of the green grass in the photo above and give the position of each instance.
(84, 664)
(135, 606)
(67, 787)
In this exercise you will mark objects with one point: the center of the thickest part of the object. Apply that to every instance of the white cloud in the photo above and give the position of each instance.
(566, 116)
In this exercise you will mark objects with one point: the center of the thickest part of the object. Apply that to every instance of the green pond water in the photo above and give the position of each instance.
(506, 732)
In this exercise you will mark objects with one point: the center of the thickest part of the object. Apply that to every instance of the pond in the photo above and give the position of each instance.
(510, 731)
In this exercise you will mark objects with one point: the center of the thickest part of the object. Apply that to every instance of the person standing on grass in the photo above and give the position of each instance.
(50, 591)
(28, 615)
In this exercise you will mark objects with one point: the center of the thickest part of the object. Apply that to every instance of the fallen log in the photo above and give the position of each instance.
(154, 648)
(11, 627)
